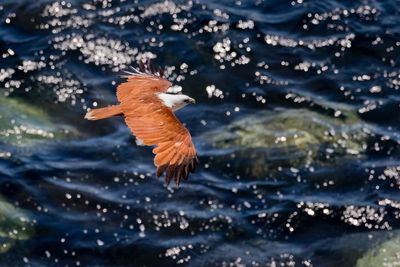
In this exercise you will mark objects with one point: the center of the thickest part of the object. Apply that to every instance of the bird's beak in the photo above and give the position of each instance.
(192, 101)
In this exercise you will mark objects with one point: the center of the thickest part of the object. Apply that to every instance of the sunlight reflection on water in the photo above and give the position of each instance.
(296, 127)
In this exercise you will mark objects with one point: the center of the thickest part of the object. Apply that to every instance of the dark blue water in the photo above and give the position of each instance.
(297, 129)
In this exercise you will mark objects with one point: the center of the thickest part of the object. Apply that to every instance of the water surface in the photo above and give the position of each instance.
(297, 129)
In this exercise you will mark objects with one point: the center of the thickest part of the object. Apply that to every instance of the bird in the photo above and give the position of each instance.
(148, 107)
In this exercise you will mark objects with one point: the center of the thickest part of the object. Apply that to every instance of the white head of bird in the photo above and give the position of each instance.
(176, 101)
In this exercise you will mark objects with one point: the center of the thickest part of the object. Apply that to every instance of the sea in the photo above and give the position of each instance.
(296, 126)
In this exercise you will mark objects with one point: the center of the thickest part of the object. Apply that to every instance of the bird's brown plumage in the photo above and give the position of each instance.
(156, 125)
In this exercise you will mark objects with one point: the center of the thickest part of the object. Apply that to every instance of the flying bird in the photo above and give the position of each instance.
(148, 108)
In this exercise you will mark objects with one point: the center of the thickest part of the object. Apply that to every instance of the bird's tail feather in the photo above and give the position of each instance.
(103, 113)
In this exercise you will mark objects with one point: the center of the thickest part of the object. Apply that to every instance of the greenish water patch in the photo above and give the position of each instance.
(24, 124)
(386, 255)
(291, 137)
(15, 225)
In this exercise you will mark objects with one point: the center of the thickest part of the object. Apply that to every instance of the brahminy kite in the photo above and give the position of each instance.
(148, 108)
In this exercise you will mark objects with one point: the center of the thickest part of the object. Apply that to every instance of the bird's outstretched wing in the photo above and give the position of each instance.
(144, 81)
(156, 125)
